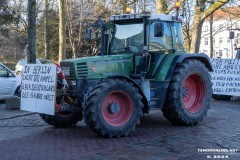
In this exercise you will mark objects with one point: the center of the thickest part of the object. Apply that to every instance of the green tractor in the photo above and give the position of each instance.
(142, 65)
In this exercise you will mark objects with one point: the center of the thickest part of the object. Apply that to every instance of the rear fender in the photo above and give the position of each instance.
(165, 74)
(201, 57)
(179, 59)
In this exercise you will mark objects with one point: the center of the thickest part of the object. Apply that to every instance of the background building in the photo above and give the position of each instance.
(224, 21)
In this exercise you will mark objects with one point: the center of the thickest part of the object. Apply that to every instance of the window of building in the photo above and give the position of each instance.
(206, 41)
(220, 53)
(205, 51)
(238, 35)
(206, 28)
(220, 40)
(228, 40)
(237, 41)
(237, 26)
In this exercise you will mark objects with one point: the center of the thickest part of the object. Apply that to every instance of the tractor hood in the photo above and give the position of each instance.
(97, 67)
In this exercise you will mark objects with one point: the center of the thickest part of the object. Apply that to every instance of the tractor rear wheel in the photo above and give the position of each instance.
(221, 97)
(189, 93)
(113, 108)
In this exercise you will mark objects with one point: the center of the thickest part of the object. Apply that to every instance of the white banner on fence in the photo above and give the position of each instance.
(38, 88)
(226, 76)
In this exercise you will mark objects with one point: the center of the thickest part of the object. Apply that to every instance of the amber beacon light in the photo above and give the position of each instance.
(128, 10)
(177, 4)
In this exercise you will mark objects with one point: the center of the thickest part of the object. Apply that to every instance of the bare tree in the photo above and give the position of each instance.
(46, 32)
(199, 16)
(31, 55)
(161, 6)
(62, 31)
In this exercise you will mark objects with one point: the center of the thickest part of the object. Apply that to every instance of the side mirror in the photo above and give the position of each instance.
(158, 29)
(88, 34)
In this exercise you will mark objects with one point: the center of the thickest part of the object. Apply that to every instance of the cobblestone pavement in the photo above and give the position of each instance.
(23, 135)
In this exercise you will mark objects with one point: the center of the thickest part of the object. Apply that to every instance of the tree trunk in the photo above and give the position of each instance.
(135, 7)
(211, 35)
(144, 5)
(80, 30)
(125, 5)
(62, 31)
(46, 35)
(31, 49)
(161, 6)
(197, 30)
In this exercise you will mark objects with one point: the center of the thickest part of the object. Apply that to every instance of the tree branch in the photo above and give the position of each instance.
(215, 6)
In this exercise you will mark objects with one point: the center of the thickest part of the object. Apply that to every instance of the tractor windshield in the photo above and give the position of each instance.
(128, 38)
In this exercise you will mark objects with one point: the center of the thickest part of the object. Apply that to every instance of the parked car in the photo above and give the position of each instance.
(19, 66)
(9, 83)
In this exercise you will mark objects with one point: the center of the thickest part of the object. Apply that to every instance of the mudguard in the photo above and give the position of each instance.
(179, 59)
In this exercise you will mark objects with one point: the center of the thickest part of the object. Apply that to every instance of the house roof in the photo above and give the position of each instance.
(227, 13)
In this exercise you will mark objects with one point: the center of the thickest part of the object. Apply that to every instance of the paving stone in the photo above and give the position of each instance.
(13, 103)
(155, 139)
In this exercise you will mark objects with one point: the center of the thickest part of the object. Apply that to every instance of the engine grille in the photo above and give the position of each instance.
(82, 70)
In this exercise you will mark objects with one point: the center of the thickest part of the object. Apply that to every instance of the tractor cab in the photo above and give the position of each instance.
(163, 34)
(145, 36)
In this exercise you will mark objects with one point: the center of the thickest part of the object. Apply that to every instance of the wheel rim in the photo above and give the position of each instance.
(117, 108)
(64, 114)
(193, 93)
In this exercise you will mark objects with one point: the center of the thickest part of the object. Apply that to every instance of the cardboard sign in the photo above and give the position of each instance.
(226, 76)
(38, 88)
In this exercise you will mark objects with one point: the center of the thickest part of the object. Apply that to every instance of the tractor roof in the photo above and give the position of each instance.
(132, 17)
(162, 17)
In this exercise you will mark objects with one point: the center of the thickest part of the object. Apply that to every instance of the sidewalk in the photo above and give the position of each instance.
(8, 114)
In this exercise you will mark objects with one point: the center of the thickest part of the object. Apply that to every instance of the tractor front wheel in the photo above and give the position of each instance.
(63, 119)
(113, 108)
(189, 93)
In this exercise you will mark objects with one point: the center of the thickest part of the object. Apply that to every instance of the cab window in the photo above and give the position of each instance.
(179, 37)
(128, 39)
(160, 43)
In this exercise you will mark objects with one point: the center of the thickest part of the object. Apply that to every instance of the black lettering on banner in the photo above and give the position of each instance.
(26, 69)
(38, 83)
(226, 76)
(25, 95)
(48, 97)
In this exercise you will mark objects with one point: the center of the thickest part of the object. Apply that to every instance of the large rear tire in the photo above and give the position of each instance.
(189, 94)
(221, 97)
(113, 108)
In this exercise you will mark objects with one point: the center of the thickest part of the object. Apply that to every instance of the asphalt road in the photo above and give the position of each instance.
(23, 135)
